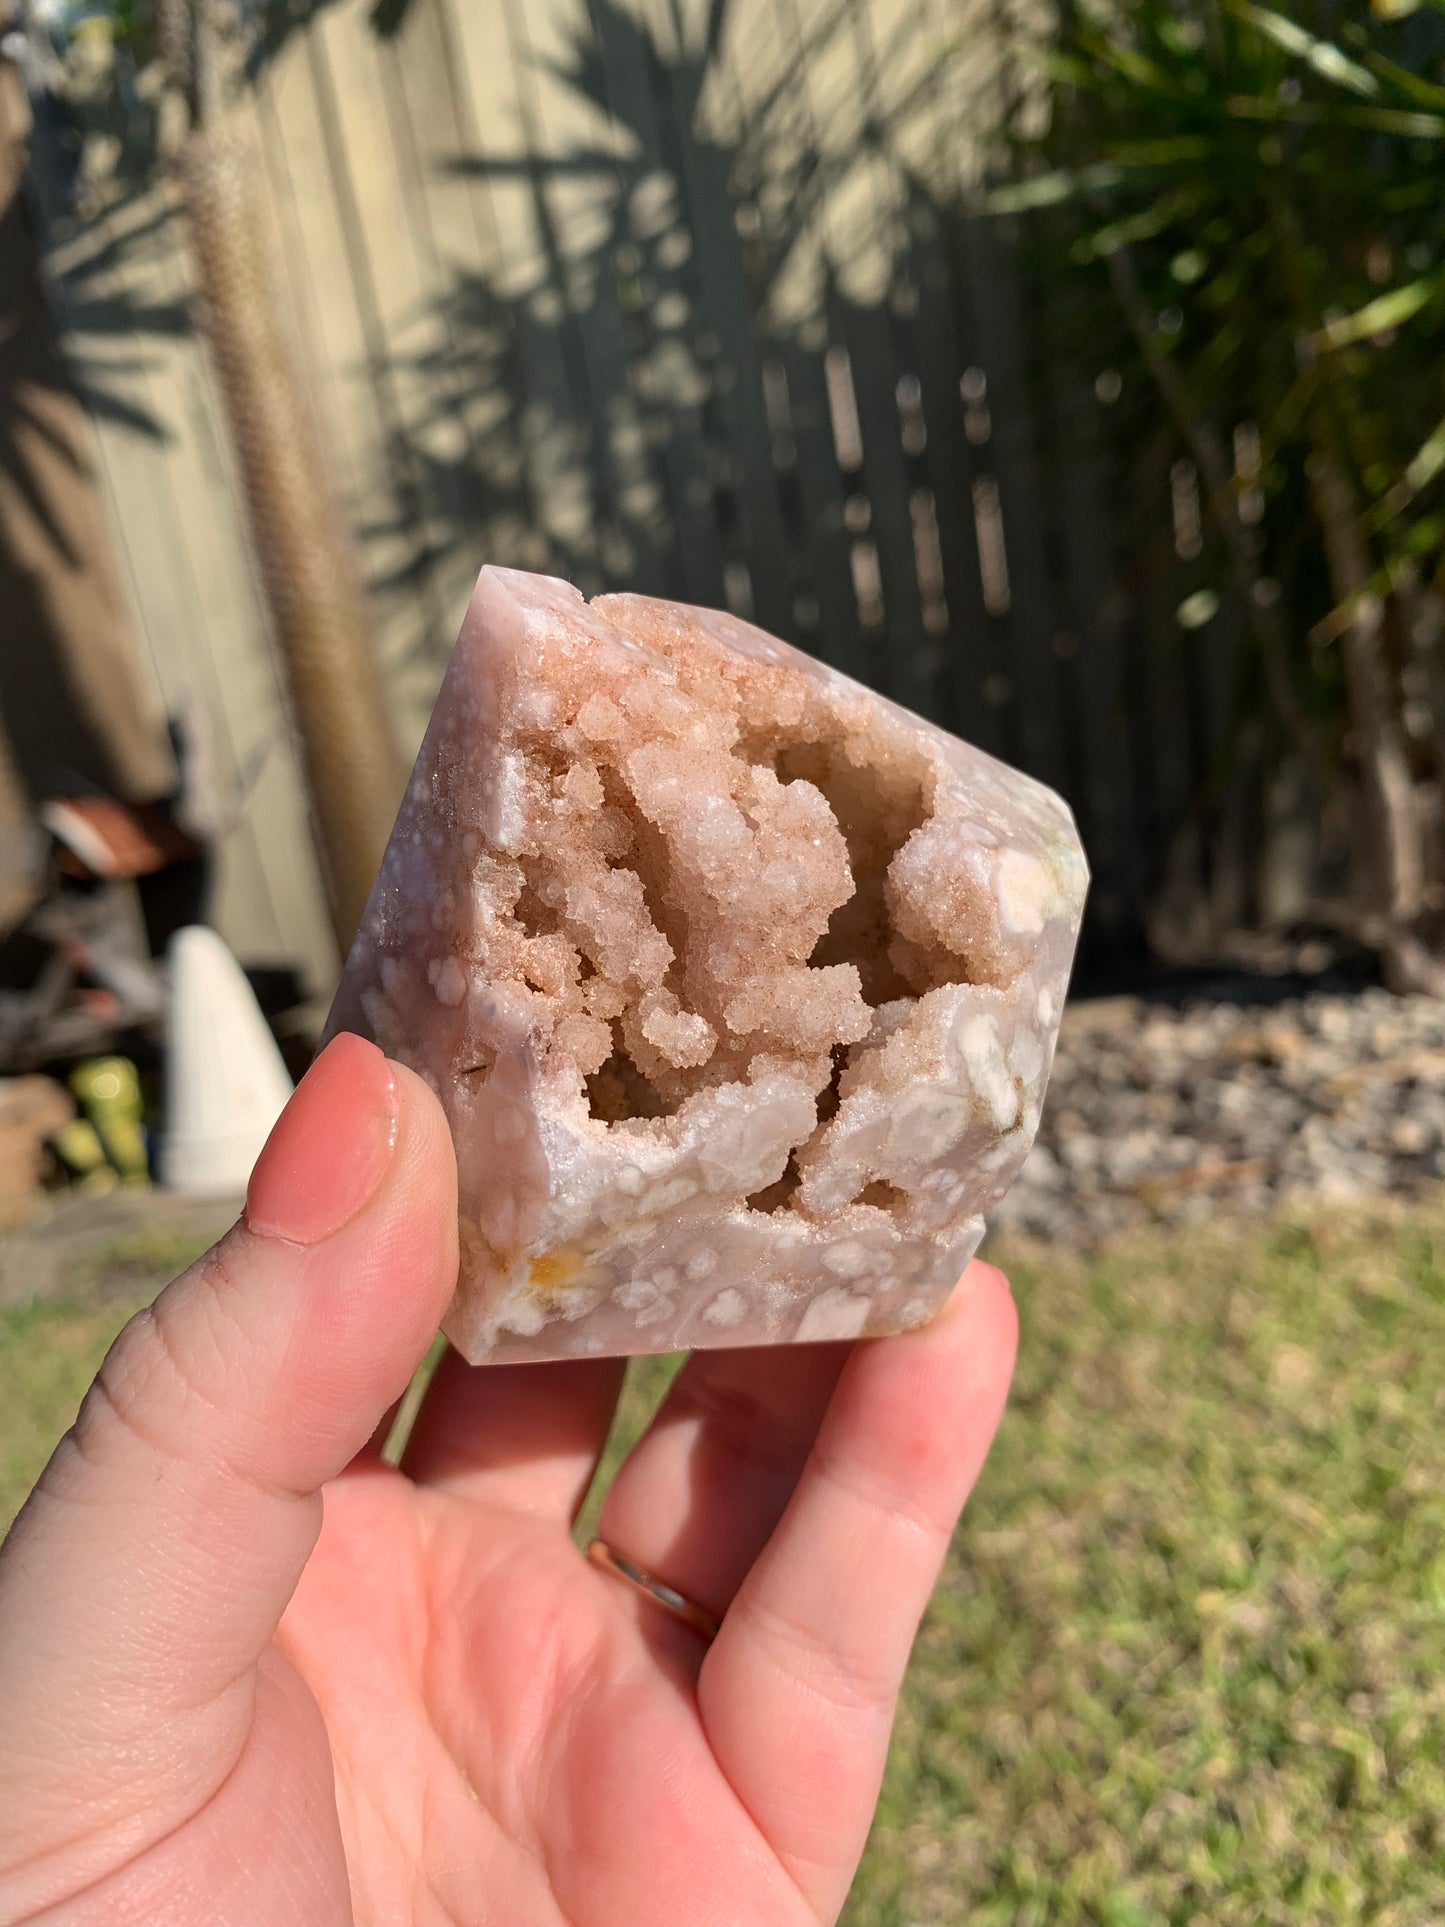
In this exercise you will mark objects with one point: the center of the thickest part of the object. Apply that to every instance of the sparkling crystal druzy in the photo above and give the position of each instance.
(739, 984)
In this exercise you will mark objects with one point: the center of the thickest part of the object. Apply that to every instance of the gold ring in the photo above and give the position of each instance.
(701, 1621)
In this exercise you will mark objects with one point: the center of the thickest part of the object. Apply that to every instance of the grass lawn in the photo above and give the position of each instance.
(1188, 1661)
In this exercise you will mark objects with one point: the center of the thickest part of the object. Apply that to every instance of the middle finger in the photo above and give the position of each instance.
(525, 1437)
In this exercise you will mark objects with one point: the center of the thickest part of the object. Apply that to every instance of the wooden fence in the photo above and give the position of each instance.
(681, 297)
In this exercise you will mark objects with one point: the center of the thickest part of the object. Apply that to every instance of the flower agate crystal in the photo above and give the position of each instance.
(739, 984)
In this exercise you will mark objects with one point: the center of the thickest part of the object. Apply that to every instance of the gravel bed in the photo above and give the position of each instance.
(1156, 1113)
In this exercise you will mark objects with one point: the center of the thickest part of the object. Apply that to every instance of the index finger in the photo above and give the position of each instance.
(799, 1689)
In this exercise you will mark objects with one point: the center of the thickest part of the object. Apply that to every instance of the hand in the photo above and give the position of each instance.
(251, 1674)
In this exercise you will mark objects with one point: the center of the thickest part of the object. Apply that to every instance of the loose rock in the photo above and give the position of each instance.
(1174, 1115)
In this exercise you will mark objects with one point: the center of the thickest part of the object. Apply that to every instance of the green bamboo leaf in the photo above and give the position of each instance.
(1306, 113)
(1127, 61)
(1427, 462)
(1390, 120)
(1426, 92)
(1424, 537)
(1419, 539)
(1049, 190)
(1327, 60)
(1385, 311)
(1145, 224)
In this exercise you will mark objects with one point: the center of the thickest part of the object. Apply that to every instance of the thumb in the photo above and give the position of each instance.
(156, 1555)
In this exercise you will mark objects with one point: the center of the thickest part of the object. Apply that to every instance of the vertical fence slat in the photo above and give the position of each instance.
(940, 363)
(897, 657)
(999, 310)
(362, 177)
(822, 494)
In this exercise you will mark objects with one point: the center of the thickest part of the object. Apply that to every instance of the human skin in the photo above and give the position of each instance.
(249, 1673)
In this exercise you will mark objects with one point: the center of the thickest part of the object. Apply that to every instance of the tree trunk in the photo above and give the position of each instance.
(1428, 622)
(316, 604)
(1398, 826)
(1374, 709)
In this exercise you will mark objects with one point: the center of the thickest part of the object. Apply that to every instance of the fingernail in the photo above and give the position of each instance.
(330, 1148)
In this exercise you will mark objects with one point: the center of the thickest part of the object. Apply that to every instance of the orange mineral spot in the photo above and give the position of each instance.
(553, 1270)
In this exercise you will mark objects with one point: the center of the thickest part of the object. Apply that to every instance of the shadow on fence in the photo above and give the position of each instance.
(917, 487)
(70, 717)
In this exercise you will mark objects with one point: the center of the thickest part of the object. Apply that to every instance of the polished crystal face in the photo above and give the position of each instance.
(739, 984)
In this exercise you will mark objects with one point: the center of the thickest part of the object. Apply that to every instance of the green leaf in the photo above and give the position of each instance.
(1425, 536)
(1127, 61)
(1427, 462)
(1328, 61)
(1310, 113)
(1145, 224)
(1049, 190)
(1385, 311)
(1426, 92)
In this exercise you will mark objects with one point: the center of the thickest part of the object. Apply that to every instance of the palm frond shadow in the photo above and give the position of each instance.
(47, 485)
(633, 396)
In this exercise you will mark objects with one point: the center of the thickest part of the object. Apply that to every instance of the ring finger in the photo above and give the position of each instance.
(698, 1496)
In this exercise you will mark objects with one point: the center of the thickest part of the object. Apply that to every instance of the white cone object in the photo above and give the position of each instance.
(225, 1081)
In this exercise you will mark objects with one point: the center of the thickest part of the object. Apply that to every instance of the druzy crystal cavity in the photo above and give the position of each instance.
(738, 983)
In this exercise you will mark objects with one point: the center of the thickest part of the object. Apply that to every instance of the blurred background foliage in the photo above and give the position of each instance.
(1254, 201)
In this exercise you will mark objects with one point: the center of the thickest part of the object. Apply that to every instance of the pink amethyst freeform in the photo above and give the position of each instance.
(738, 983)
